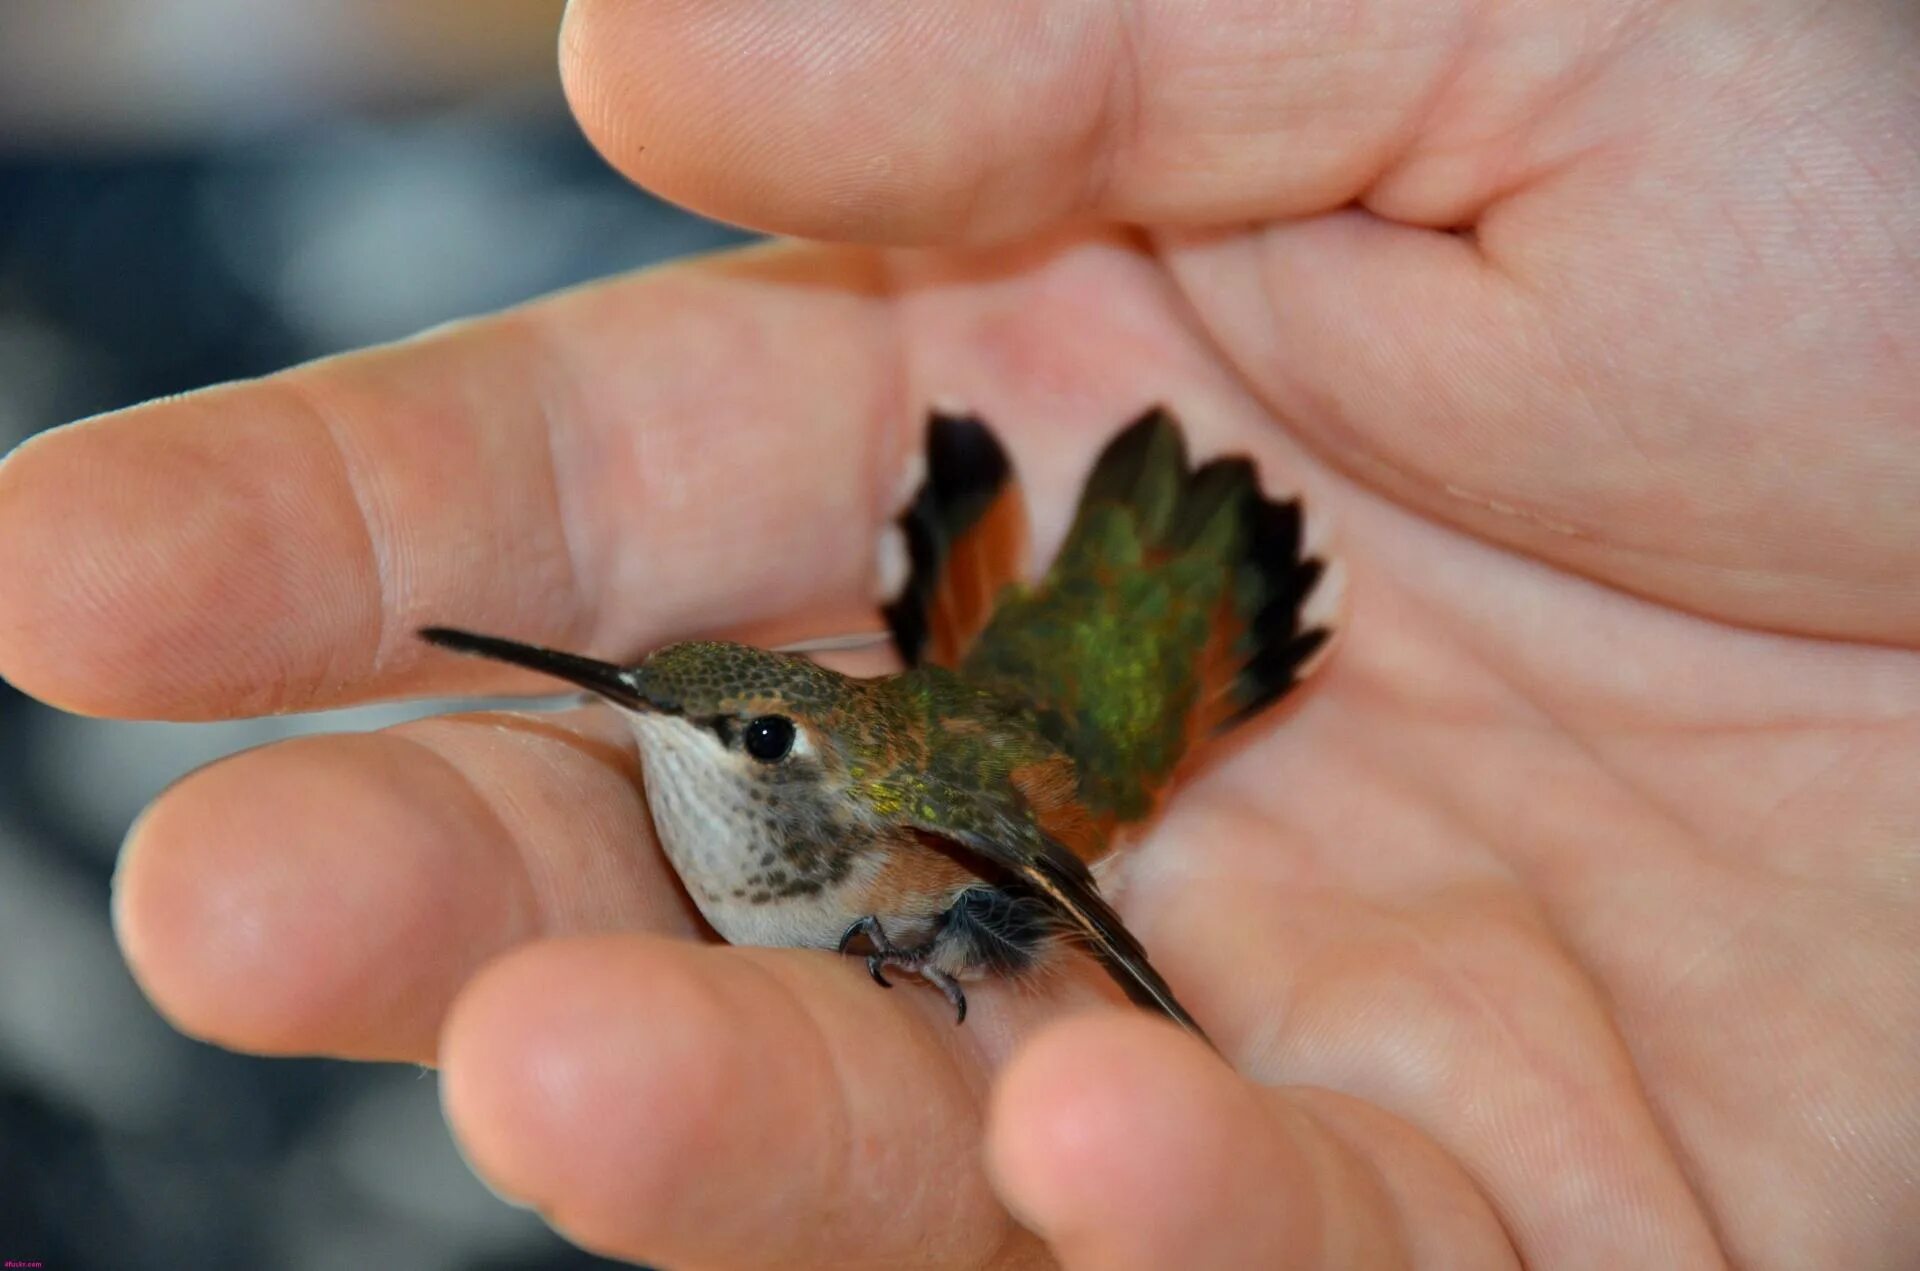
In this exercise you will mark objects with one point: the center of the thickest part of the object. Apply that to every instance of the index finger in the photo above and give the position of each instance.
(604, 469)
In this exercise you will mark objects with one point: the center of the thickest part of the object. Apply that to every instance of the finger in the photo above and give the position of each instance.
(603, 469)
(1125, 1144)
(694, 1106)
(330, 895)
(967, 121)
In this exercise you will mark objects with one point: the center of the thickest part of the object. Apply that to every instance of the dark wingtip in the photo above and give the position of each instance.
(1065, 881)
(964, 458)
(966, 470)
(1280, 580)
(1273, 670)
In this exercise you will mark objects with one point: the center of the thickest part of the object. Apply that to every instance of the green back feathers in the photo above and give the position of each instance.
(1172, 610)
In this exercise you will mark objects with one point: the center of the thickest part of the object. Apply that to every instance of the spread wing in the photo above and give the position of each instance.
(1062, 880)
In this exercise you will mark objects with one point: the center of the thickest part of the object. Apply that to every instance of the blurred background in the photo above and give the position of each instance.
(193, 191)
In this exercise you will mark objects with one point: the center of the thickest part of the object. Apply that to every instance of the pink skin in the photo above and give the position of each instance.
(1569, 919)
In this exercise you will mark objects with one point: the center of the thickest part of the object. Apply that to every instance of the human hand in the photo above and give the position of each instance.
(1569, 918)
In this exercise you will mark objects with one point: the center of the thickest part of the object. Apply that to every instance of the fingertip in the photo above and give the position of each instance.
(47, 614)
(273, 902)
(192, 915)
(120, 570)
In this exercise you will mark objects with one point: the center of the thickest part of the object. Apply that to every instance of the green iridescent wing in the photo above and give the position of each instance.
(1173, 610)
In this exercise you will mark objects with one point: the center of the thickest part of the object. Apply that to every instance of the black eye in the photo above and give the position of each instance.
(769, 738)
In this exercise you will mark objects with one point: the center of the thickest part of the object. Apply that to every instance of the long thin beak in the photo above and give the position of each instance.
(615, 683)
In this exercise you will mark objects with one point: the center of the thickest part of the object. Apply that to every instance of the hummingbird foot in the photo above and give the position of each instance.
(888, 954)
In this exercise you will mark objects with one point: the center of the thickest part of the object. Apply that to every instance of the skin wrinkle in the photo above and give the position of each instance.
(1583, 411)
(1628, 33)
(1447, 77)
(1502, 674)
(528, 903)
(1889, 235)
(1686, 1169)
(1753, 910)
(1671, 1147)
(1671, 1143)
(1121, 118)
(845, 1145)
(1811, 782)
(1363, 461)
(1489, 865)
(1328, 1156)
(546, 919)
(1335, 1113)
(1679, 1144)
(1628, 554)
(1483, 1008)
(555, 373)
(1625, 784)
(839, 1145)
(303, 395)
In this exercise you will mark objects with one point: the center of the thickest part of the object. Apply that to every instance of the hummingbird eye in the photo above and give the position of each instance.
(769, 738)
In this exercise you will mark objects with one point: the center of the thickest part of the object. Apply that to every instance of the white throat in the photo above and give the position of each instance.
(699, 803)
(718, 837)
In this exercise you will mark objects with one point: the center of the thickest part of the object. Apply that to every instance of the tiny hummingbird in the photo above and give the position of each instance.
(945, 819)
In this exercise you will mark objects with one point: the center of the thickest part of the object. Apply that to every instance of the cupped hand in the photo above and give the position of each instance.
(1569, 918)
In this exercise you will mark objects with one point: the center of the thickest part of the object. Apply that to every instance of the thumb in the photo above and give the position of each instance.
(981, 120)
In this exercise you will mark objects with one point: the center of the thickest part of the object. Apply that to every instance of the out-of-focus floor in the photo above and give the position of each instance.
(123, 1145)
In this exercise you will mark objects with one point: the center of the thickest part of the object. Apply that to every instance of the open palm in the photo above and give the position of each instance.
(1567, 918)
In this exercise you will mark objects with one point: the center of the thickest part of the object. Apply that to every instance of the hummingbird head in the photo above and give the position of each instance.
(726, 724)
(768, 707)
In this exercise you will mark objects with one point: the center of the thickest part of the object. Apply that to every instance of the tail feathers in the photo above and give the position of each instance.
(1145, 469)
(1265, 635)
(1277, 581)
(1183, 601)
(966, 533)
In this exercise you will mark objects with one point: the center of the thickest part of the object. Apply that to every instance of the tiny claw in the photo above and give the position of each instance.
(886, 953)
(951, 987)
(869, 927)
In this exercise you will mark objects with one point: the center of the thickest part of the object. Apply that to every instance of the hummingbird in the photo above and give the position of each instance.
(946, 820)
